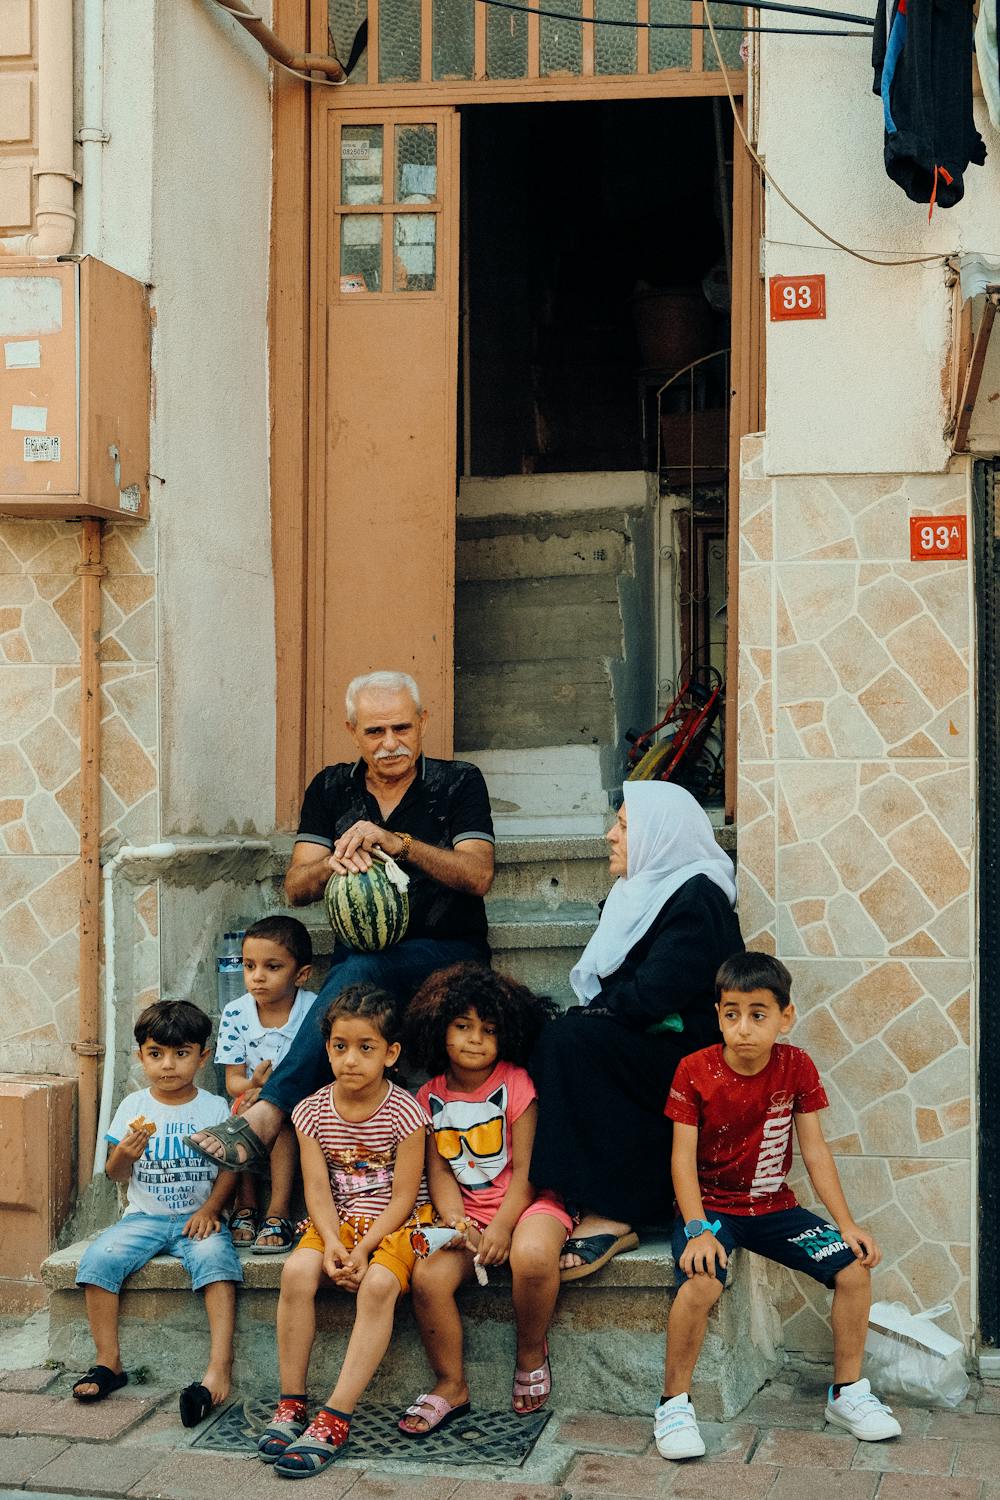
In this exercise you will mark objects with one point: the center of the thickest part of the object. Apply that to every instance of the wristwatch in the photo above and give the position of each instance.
(694, 1227)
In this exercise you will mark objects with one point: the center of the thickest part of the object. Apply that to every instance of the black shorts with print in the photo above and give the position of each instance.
(793, 1237)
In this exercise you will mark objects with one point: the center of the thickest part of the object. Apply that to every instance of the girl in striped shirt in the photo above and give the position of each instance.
(361, 1143)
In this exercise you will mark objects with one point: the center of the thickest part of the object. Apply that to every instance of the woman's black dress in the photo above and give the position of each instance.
(602, 1139)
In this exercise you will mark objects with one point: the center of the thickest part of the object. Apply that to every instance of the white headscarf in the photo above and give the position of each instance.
(670, 840)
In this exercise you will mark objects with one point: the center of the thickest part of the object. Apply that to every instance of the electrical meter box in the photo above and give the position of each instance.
(74, 391)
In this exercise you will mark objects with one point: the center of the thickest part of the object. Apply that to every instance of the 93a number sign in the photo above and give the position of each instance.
(797, 297)
(933, 537)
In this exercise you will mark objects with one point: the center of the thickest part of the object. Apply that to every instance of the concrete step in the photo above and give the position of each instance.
(542, 909)
(606, 1338)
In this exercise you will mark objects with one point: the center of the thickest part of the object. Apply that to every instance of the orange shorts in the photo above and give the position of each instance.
(394, 1252)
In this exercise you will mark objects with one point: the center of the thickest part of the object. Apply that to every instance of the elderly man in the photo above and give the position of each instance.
(431, 816)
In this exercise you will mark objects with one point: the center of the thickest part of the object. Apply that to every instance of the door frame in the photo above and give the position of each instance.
(297, 520)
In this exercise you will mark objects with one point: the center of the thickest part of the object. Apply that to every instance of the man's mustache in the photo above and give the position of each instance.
(392, 754)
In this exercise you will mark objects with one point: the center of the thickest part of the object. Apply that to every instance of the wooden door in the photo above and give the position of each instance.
(384, 412)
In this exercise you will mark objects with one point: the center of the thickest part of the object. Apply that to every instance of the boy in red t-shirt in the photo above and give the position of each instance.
(733, 1107)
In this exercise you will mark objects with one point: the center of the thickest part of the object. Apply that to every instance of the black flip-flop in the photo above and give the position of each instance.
(595, 1250)
(106, 1381)
(195, 1403)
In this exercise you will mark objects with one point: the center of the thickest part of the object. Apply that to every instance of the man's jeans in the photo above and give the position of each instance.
(400, 970)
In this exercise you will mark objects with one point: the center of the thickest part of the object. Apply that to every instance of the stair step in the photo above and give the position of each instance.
(606, 1338)
(528, 925)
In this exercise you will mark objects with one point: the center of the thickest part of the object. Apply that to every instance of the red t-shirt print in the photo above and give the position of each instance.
(745, 1125)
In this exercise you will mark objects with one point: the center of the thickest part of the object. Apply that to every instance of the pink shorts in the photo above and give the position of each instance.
(550, 1203)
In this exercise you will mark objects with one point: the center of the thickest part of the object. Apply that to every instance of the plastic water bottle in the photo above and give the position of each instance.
(229, 969)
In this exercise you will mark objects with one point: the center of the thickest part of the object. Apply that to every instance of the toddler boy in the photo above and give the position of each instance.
(174, 1204)
(733, 1107)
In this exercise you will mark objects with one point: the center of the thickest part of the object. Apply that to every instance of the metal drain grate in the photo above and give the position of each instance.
(496, 1437)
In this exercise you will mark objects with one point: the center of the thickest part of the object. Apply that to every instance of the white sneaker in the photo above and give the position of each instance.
(676, 1431)
(863, 1414)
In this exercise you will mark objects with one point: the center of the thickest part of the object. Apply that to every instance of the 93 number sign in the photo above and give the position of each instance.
(796, 297)
(933, 537)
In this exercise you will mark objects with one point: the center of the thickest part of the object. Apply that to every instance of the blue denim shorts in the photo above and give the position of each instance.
(793, 1237)
(134, 1240)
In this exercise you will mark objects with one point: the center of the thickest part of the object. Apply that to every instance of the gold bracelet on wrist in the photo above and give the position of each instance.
(404, 853)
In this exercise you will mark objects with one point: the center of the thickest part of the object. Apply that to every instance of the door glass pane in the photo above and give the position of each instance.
(615, 48)
(416, 164)
(670, 49)
(361, 164)
(729, 44)
(361, 253)
(413, 252)
(453, 49)
(561, 42)
(343, 19)
(399, 41)
(506, 44)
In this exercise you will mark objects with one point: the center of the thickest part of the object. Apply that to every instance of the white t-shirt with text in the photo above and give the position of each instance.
(169, 1178)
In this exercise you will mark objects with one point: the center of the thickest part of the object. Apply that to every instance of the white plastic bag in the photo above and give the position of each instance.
(907, 1355)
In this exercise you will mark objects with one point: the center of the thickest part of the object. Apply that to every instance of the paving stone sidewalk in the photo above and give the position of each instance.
(779, 1449)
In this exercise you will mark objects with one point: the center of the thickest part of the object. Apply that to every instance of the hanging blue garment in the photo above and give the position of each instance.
(923, 72)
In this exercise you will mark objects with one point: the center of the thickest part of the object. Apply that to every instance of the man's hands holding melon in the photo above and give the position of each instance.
(351, 853)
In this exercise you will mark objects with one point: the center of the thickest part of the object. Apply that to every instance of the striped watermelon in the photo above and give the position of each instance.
(370, 911)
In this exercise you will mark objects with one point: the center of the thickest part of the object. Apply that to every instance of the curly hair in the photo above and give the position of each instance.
(517, 1014)
(364, 1002)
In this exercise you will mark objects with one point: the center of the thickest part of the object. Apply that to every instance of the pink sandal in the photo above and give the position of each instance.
(435, 1411)
(533, 1383)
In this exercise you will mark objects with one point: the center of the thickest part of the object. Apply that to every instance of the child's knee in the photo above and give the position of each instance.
(853, 1278)
(300, 1275)
(700, 1292)
(378, 1285)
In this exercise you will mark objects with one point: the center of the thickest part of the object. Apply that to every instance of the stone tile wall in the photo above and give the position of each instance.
(40, 762)
(855, 839)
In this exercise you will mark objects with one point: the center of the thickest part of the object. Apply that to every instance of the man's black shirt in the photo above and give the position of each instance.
(446, 803)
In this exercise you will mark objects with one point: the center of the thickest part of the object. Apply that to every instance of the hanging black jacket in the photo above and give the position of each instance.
(923, 71)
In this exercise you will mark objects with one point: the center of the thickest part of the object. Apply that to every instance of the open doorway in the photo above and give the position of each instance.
(594, 394)
(596, 262)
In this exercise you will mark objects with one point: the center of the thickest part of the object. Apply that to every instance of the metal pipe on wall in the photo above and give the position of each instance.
(55, 216)
(88, 1047)
(298, 62)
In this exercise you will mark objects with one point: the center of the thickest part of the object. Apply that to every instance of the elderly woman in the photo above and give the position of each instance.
(645, 983)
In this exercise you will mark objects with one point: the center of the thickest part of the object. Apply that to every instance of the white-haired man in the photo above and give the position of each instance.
(432, 816)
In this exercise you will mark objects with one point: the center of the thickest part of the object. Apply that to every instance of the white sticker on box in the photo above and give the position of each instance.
(355, 150)
(29, 418)
(130, 498)
(41, 450)
(24, 355)
(30, 304)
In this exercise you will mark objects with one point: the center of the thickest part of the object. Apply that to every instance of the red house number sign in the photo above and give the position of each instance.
(797, 297)
(933, 537)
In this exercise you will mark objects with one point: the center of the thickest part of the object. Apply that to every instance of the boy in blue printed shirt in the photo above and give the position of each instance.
(734, 1107)
(175, 1203)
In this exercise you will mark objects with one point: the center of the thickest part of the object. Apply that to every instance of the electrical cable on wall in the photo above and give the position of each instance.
(564, 15)
(871, 260)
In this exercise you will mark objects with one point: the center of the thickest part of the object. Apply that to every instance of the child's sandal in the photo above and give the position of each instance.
(531, 1385)
(317, 1448)
(289, 1422)
(243, 1228)
(274, 1227)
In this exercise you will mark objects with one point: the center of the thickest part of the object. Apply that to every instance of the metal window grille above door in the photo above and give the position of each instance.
(414, 43)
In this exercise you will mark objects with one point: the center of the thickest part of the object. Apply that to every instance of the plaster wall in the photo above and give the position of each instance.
(187, 637)
(872, 370)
